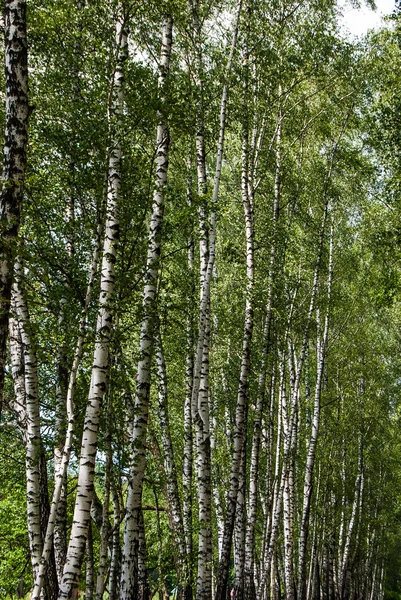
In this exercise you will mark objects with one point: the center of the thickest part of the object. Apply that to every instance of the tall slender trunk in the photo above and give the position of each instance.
(271, 531)
(60, 526)
(26, 388)
(61, 417)
(26, 405)
(241, 412)
(115, 560)
(200, 408)
(290, 418)
(250, 591)
(61, 472)
(90, 566)
(310, 459)
(101, 358)
(170, 470)
(240, 531)
(187, 477)
(129, 570)
(14, 158)
(105, 526)
(216, 486)
(345, 566)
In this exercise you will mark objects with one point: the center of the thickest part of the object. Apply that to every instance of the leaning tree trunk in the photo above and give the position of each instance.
(310, 460)
(171, 473)
(187, 475)
(27, 392)
(101, 359)
(241, 412)
(199, 396)
(345, 566)
(200, 408)
(14, 158)
(249, 590)
(61, 471)
(105, 529)
(129, 569)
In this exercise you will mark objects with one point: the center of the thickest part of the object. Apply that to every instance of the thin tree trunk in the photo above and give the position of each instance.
(90, 567)
(170, 469)
(14, 158)
(116, 549)
(187, 477)
(216, 488)
(32, 434)
(105, 527)
(241, 412)
(61, 472)
(200, 409)
(277, 492)
(240, 532)
(348, 538)
(250, 591)
(199, 402)
(61, 419)
(101, 359)
(310, 460)
(129, 571)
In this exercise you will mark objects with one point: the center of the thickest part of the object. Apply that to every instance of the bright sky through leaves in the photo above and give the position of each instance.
(358, 21)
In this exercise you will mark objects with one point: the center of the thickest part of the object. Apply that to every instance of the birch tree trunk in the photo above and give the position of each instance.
(101, 359)
(200, 383)
(310, 460)
(344, 583)
(60, 527)
(187, 478)
(26, 385)
(271, 531)
(129, 570)
(90, 567)
(14, 158)
(171, 472)
(242, 397)
(105, 526)
(61, 470)
(26, 388)
(250, 591)
(200, 409)
(115, 560)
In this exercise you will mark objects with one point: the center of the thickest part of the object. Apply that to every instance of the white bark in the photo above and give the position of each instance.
(14, 158)
(170, 468)
(310, 460)
(129, 570)
(61, 470)
(116, 550)
(260, 402)
(352, 521)
(101, 360)
(27, 390)
(187, 477)
(105, 526)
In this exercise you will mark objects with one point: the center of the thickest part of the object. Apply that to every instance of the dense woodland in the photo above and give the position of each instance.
(200, 302)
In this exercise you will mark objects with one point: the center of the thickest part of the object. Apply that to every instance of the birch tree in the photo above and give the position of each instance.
(129, 570)
(14, 158)
(101, 359)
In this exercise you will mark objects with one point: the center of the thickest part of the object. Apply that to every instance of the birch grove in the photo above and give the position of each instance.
(200, 300)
